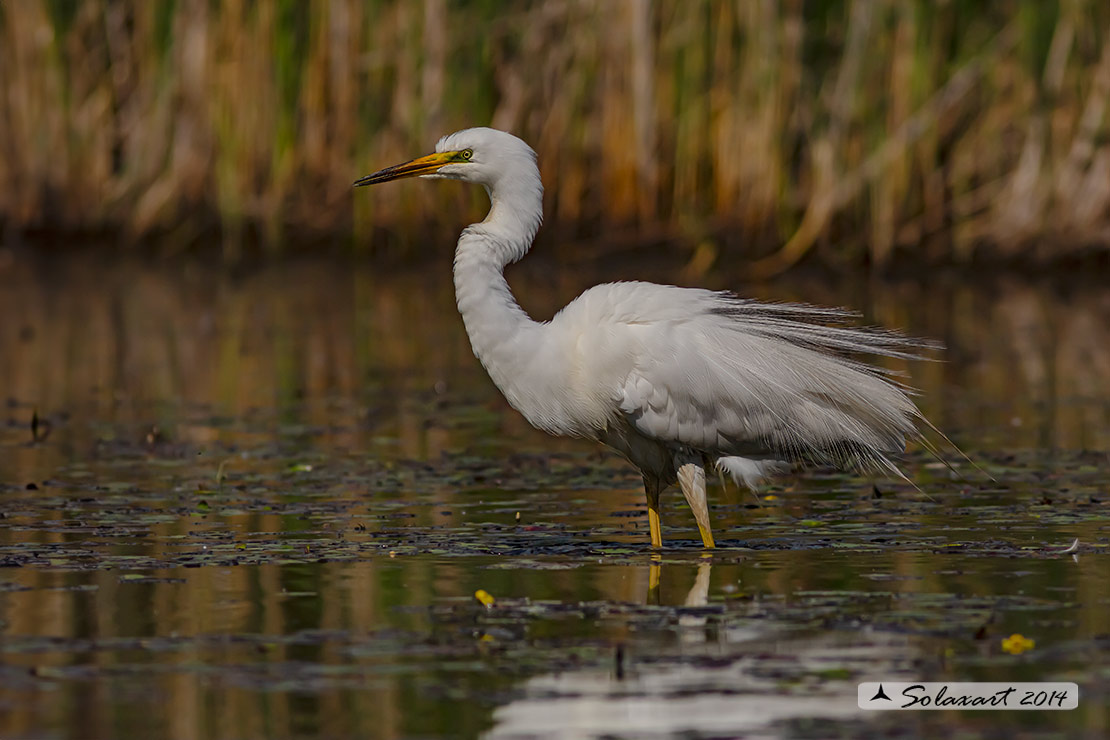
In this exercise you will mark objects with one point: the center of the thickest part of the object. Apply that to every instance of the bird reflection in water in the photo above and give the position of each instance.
(698, 594)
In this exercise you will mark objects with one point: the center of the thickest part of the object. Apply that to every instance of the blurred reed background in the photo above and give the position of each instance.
(769, 130)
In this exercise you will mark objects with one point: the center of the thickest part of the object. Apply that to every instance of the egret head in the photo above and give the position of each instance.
(479, 155)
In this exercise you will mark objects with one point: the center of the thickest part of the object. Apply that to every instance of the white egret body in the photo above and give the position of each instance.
(675, 379)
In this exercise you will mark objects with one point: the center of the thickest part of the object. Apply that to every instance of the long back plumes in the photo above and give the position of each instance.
(822, 328)
(844, 410)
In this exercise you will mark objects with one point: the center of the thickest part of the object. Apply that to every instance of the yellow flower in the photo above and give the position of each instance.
(1017, 644)
(484, 597)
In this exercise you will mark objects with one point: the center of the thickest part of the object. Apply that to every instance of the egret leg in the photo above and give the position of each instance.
(653, 490)
(691, 477)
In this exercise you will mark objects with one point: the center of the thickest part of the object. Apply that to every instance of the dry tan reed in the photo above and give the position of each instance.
(771, 129)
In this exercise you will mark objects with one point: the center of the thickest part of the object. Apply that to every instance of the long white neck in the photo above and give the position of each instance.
(501, 334)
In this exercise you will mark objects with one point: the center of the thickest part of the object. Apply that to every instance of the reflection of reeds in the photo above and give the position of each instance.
(102, 343)
(92, 340)
(899, 125)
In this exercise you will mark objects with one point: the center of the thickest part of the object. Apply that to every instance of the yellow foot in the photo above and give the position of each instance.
(706, 537)
(656, 527)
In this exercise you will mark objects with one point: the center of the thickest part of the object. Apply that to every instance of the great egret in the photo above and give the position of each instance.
(675, 379)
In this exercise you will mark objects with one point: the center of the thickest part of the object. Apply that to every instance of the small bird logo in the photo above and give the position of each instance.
(880, 694)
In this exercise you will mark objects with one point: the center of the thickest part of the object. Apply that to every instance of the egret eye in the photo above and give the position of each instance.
(466, 154)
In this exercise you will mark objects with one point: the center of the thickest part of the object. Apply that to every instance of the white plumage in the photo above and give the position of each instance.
(673, 378)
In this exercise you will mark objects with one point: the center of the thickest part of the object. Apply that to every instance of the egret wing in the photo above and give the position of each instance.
(729, 376)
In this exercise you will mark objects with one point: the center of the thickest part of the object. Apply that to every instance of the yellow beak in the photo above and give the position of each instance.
(413, 168)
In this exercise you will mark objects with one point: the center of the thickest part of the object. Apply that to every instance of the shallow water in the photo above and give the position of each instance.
(261, 507)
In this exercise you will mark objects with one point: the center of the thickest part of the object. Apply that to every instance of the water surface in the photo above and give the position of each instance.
(260, 506)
